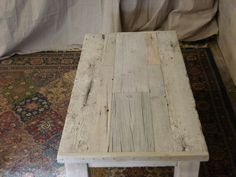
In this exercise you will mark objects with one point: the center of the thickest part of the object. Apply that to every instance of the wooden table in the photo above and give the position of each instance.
(132, 106)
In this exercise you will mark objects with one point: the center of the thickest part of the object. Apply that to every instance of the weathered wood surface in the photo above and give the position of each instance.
(132, 101)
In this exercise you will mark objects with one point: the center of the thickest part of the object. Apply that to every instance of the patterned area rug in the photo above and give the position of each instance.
(34, 95)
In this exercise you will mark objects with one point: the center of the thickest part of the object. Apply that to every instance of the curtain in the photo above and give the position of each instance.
(36, 25)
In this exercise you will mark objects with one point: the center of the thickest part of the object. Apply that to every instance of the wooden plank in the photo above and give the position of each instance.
(78, 135)
(131, 123)
(135, 156)
(101, 131)
(161, 122)
(109, 49)
(130, 73)
(184, 119)
(100, 128)
(76, 170)
(153, 56)
(132, 164)
(187, 169)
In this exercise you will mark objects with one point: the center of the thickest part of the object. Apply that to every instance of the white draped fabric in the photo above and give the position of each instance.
(35, 25)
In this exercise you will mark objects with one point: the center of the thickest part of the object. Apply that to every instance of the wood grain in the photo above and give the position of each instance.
(130, 73)
(132, 124)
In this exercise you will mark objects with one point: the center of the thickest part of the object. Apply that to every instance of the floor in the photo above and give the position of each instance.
(221, 64)
(230, 87)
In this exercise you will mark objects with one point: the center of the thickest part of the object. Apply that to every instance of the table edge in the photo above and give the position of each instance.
(134, 156)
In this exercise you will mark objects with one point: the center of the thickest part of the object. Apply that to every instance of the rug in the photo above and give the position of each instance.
(34, 95)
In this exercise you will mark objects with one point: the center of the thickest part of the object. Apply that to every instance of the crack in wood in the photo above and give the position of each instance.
(87, 93)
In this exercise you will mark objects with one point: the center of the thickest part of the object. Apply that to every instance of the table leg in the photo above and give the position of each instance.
(76, 170)
(187, 169)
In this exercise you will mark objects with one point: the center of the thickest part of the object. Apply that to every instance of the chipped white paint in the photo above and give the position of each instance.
(132, 103)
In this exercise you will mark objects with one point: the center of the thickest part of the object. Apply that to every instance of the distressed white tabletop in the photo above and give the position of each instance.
(132, 100)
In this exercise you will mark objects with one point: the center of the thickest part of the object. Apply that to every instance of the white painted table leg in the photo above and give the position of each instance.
(76, 170)
(187, 169)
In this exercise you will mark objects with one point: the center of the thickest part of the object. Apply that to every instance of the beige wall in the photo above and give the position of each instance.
(227, 34)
